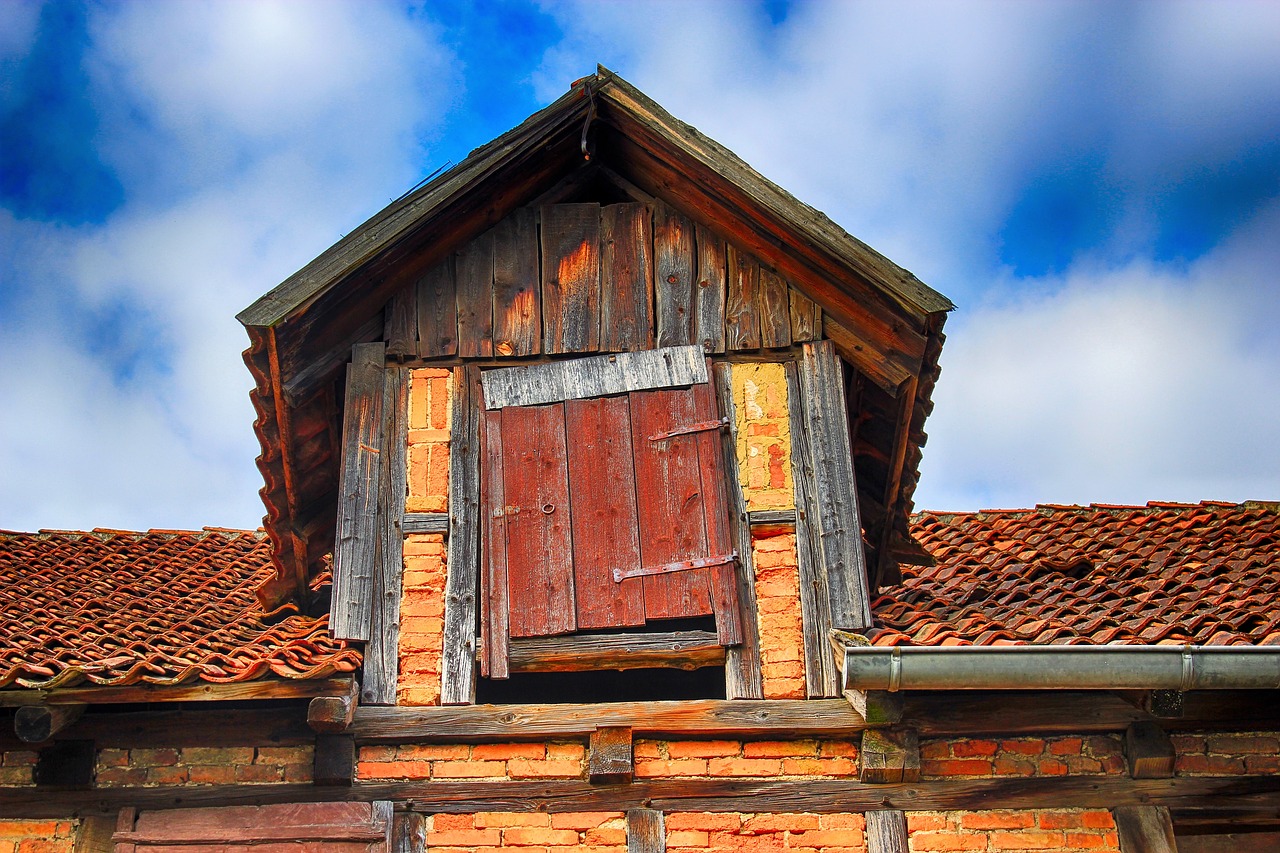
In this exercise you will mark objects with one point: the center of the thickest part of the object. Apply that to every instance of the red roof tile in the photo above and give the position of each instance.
(164, 607)
(1164, 573)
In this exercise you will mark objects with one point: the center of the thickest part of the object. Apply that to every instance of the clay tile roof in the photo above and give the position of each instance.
(1162, 573)
(114, 607)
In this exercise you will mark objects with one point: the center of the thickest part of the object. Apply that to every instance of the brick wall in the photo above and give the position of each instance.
(428, 452)
(763, 432)
(17, 767)
(1008, 831)
(421, 619)
(204, 765)
(1226, 754)
(778, 615)
(1058, 756)
(728, 758)
(584, 832)
(37, 836)
(474, 761)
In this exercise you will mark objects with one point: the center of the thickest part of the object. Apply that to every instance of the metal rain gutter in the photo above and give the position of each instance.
(1180, 668)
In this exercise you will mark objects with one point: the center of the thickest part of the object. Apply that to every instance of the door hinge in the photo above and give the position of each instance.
(701, 426)
(619, 575)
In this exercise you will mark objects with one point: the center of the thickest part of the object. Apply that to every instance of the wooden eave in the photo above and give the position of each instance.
(302, 331)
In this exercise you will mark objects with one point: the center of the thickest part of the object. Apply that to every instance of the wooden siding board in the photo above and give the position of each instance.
(494, 663)
(743, 678)
(822, 676)
(400, 319)
(668, 486)
(626, 269)
(457, 681)
(474, 269)
(886, 831)
(709, 294)
(538, 520)
(775, 310)
(437, 309)
(806, 317)
(673, 242)
(381, 657)
(517, 291)
(644, 650)
(603, 496)
(355, 552)
(598, 376)
(839, 529)
(742, 303)
(571, 277)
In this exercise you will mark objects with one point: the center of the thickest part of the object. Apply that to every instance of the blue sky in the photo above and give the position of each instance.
(1096, 185)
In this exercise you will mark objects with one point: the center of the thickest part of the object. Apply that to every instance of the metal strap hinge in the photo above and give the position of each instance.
(701, 426)
(619, 575)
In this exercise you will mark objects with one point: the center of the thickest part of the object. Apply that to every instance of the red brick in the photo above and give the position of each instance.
(1066, 746)
(818, 767)
(922, 821)
(583, 820)
(1059, 820)
(394, 770)
(534, 836)
(1097, 820)
(167, 775)
(838, 749)
(464, 837)
(212, 774)
(159, 757)
(956, 767)
(780, 823)
(947, 841)
(505, 751)
(468, 769)
(1052, 767)
(703, 748)
(686, 838)
(729, 821)
(442, 822)
(685, 767)
(432, 751)
(505, 819)
(1026, 840)
(842, 821)
(1089, 841)
(934, 749)
(1029, 746)
(1243, 745)
(744, 767)
(973, 748)
(828, 838)
(519, 768)
(258, 773)
(997, 820)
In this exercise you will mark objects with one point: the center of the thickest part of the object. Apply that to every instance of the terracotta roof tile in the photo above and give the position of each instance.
(114, 607)
(1162, 573)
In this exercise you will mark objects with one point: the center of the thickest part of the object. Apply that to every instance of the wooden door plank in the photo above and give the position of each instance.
(822, 676)
(743, 679)
(775, 310)
(517, 291)
(669, 502)
(674, 260)
(839, 528)
(597, 376)
(462, 566)
(724, 597)
(474, 267)
(381, 655)
(626, 270)
(603, 497)
(806, 317)
(437, 311)
(355, 551)
(495, 623)
(400, 323)
(571, 277)
(708, 297)
(742, 310)
(535, 478)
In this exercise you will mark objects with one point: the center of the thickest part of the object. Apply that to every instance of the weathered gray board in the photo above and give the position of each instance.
(597, 376)
(458, 675)
(381, 654)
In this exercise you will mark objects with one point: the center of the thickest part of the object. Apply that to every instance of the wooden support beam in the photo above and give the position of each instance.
(1148, 751)
(877, 707)
(335, 761)
(66, 764)
(202, 691)
(610, 759)
(886, 831)
(1144, 829)
(94, 834)
(382, 652)
(646, 831)
(36, 723)
(333, 714)
(889, 755)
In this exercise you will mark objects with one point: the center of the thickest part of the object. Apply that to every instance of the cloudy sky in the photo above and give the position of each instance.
(1096, 186)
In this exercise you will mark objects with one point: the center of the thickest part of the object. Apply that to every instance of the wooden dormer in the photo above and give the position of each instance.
(586, 295)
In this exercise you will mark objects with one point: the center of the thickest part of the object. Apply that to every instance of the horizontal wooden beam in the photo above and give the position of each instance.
(580, 652)
(37, 723)
(699, 718)
(1201, 796)
(201, 691)
(425, 522)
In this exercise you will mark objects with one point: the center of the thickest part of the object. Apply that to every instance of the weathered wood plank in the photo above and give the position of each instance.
(775, 310)
(382, 652)
(409, 833)
(709, 294)
(198, 692)
(474, 268)
(437, 311)
(626, 269)
(1148, 751)
(806, 317)
(742, 303)
(495, 611)
(1202, 795)
(889, 375)
(609, 756)
(425, 522)
(355, 552)
(598, 376)
(94, 835)
(646, 831)
(839, 529)
(458, 678)
(250, 825)
(772, 516)
(535, 482)
(603, 498)
(743, 678)
(673, 258)
(580, 652)
(886, 831)
(517, 291)
(822, 676)
(1144, 829)
(400, 319)
(571, 277)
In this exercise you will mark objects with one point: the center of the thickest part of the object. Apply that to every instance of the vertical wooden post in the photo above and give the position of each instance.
(646, 831)
(1145, 829)
(381, 656)
(886, 831)
(458, 672)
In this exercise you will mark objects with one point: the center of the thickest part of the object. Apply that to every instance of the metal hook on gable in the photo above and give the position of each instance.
(586, 125)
